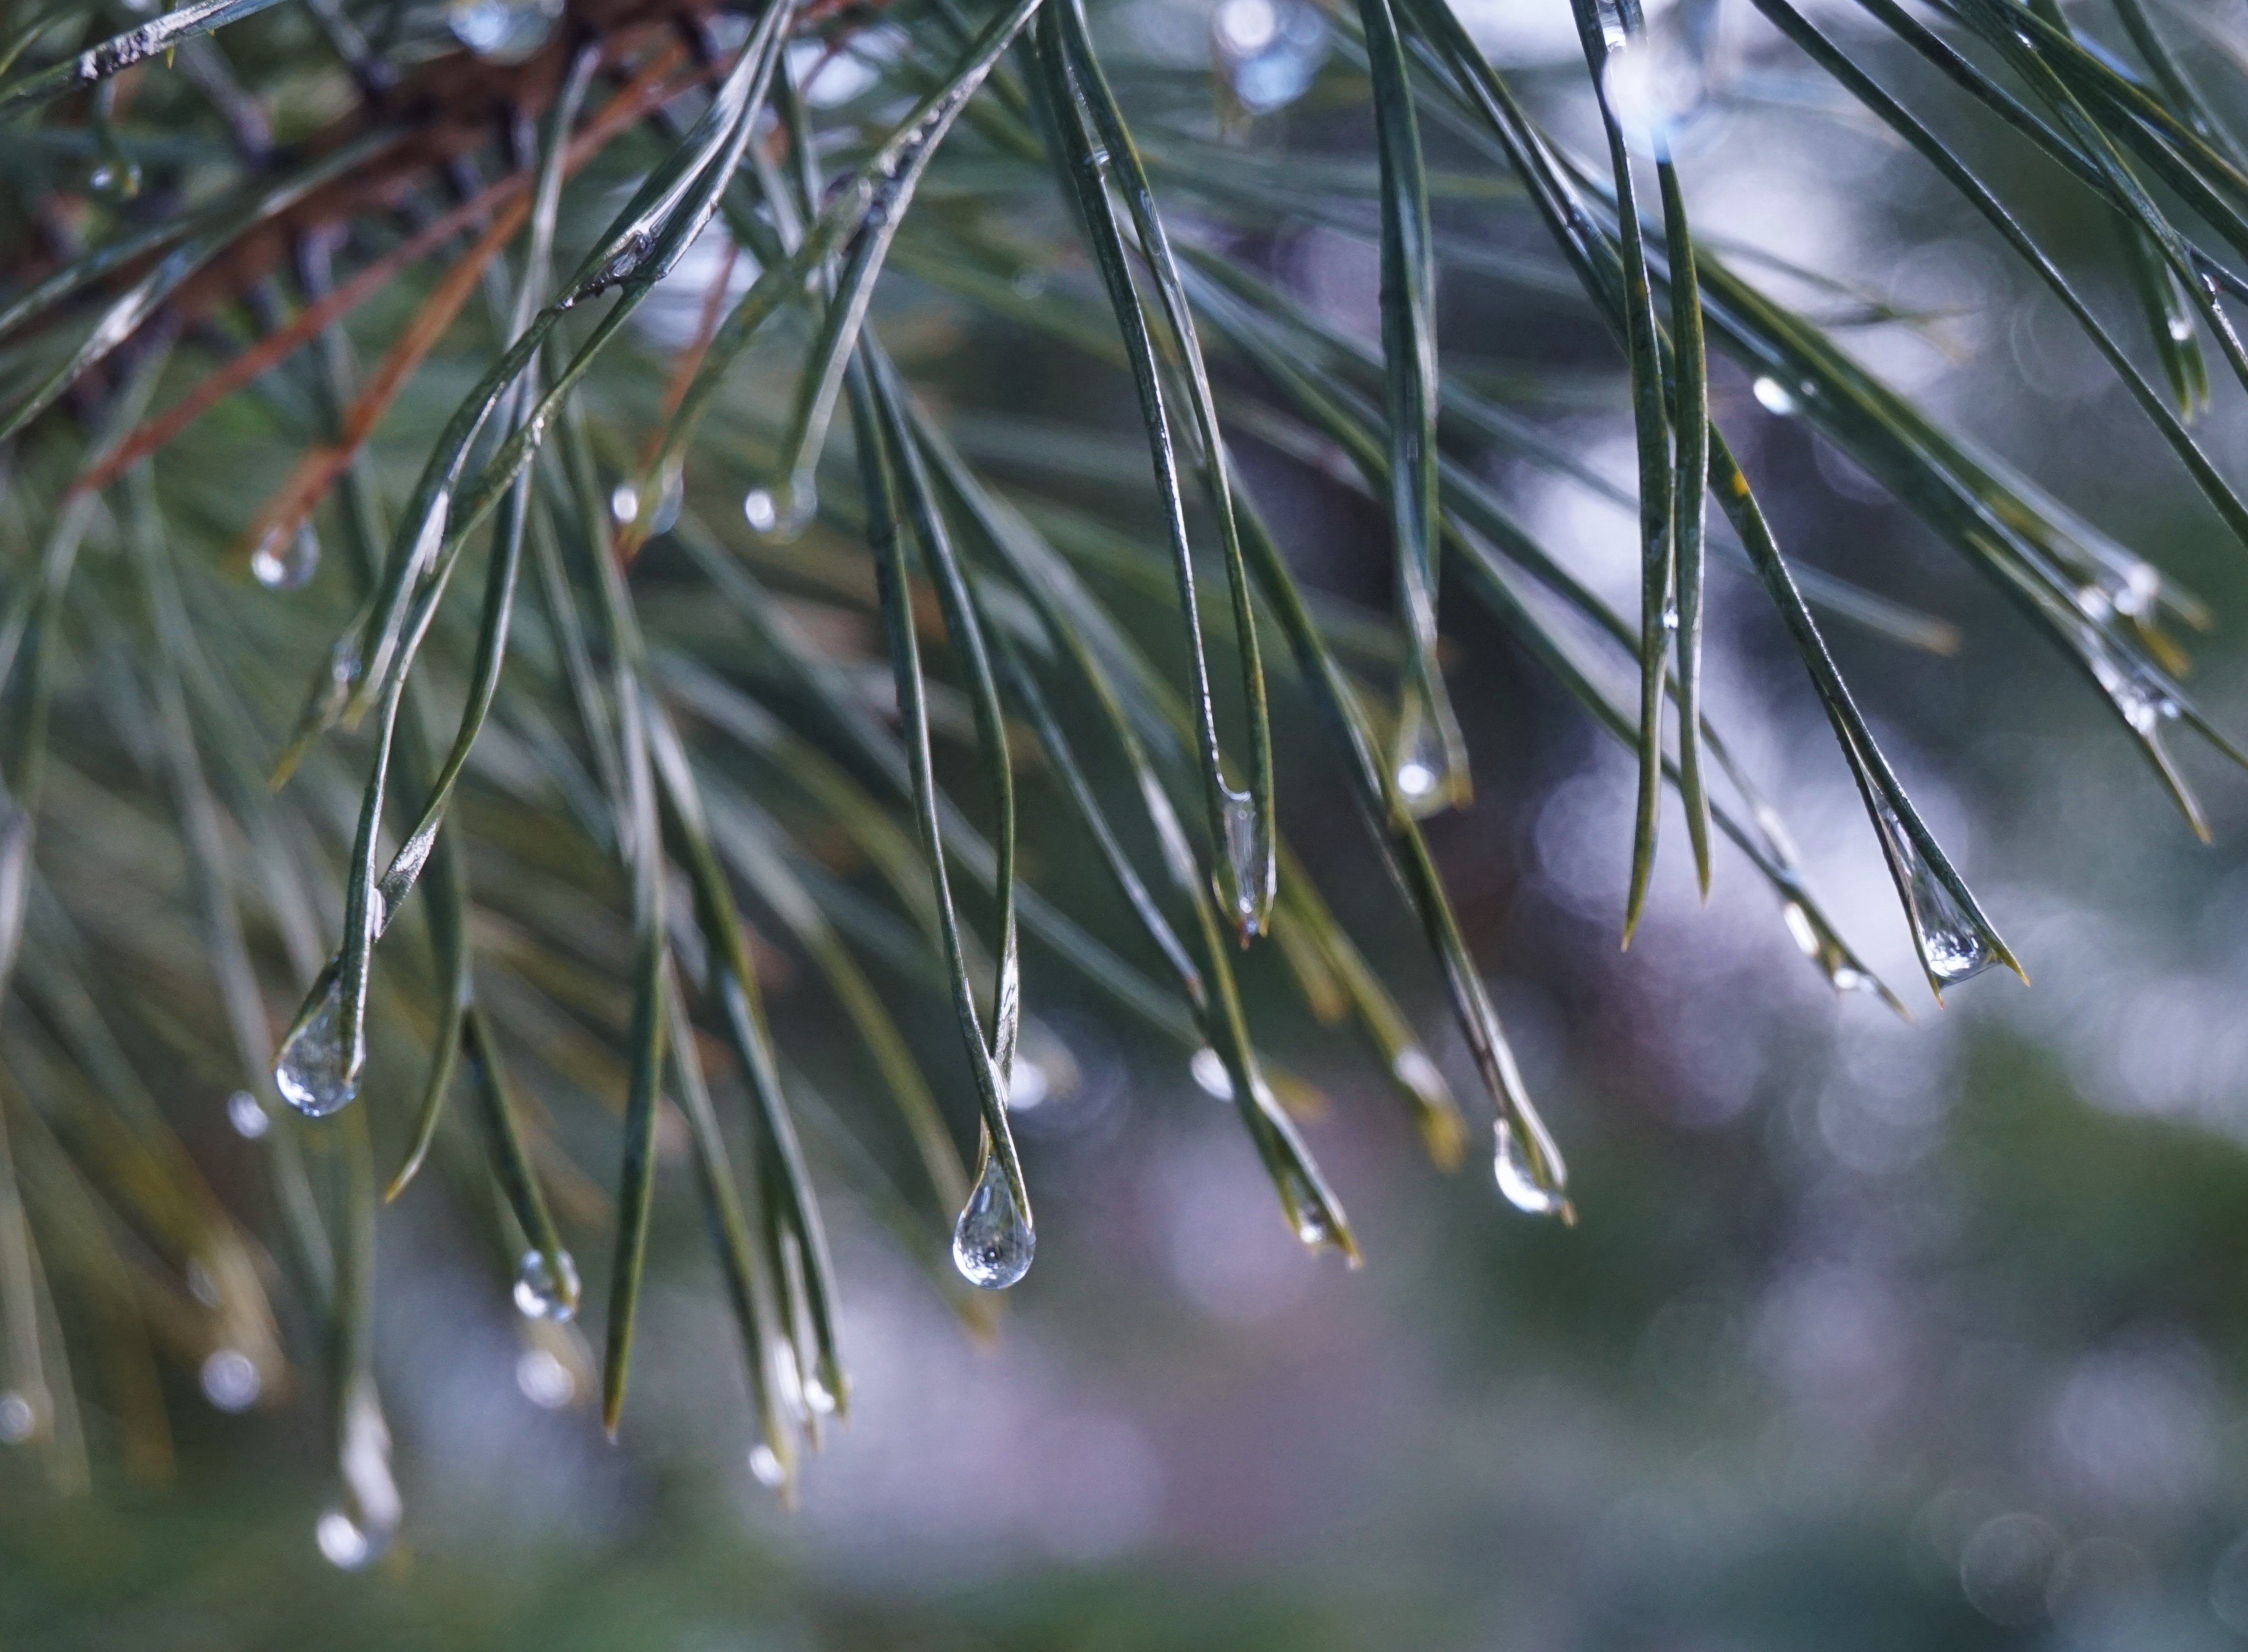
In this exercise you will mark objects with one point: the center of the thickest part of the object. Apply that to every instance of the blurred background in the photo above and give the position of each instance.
(1874, 1331)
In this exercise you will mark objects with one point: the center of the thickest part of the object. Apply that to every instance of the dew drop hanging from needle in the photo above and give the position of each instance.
(547, 1293)
(992, 1242)
(1518, 1180)
(1424, 768)
(284, 560)
(781, 511)
(1243, 856)
(766, 1466)
(1953, 945)
(313, 1072)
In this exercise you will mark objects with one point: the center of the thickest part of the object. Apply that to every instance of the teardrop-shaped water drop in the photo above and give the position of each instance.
(781, 511)
(1314, 1221)
(1425, 765)
(1245, 856)
(315, 1072)
(991, 1242)
(545, 1292)
(767, 1466)
(286, 559)
(818, 1398)
(1953, 946)
(2141, 698)
(366, 1517)
(1209, 1069)
(1518, 1180)
(370, 1490)
(624, 504)
(19, 1418)
(670, 494)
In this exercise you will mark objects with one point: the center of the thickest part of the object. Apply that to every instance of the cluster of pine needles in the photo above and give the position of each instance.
(761, 638)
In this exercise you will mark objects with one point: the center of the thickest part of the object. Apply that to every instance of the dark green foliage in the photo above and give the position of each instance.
(636, 718)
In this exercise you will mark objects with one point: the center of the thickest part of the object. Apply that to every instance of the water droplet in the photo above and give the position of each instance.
(284, 560)
(1775, 398)
(19, 1418)
(671, 494)
(230, 1380)
(502, 30)
(624, 504)
(767, 1466)
(819, 1399)
(1417, 1073)
(1518, 1179)
(1267, 51)
(249, 1119)
(202, 1285)
(1028, 282)
(1209, 1069)
(622, 265)
(540, 1294)
(2180, 326)
(366, 1517)
(343, 1544)
(991, 1242)
(1424, 766)
(2143, 698)
(1825, 951)
(783, 511)
(544, 1380)
(1671, 617)
(117, 179)
(1663, 85)
(316, 1072)
(1952, 944)
(1245, 856)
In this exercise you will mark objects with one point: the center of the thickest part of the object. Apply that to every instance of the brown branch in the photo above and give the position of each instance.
(317, 471)
(507, 196)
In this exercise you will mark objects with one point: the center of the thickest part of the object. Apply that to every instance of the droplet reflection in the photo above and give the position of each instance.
(1518, 1180)
(544, 1291)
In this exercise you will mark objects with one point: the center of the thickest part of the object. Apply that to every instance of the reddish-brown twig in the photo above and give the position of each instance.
(648, 90)
(316, 472)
